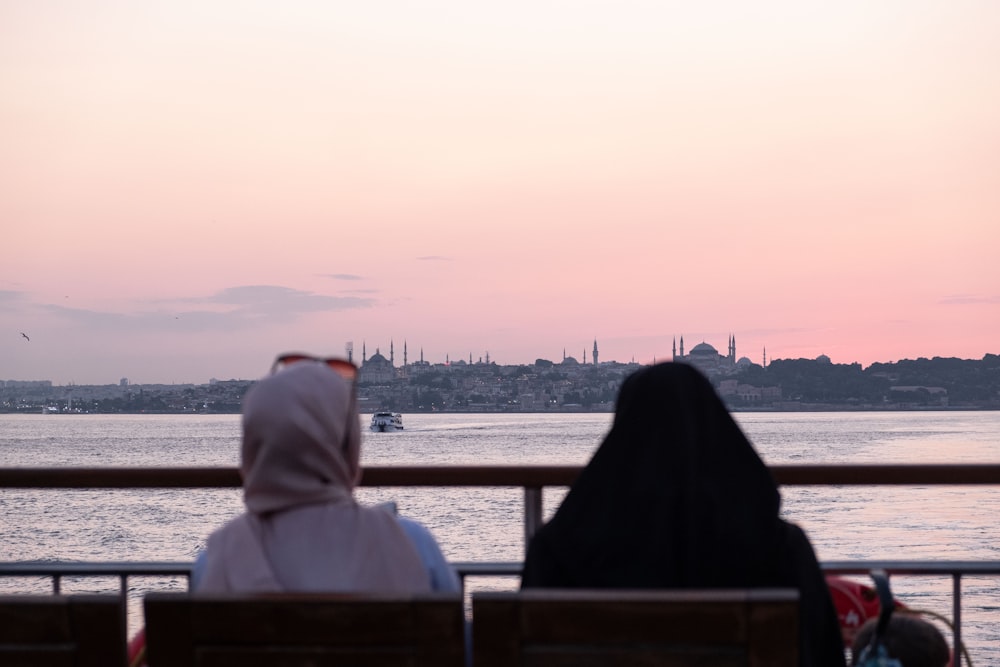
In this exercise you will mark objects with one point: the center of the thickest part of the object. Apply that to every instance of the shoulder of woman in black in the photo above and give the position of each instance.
(820, 640)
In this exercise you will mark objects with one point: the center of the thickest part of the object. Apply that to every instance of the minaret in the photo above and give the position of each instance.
(364, 352)
(421, 355)
(595, 352)
(392, 357)
(675, 349)
(682, 347)
(584, 356)
(765, 356)
(564, 355)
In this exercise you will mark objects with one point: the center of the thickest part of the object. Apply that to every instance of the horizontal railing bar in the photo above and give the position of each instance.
(887, 474)
(913, 567)
(479, 569)
(118, 478)
(863, 567)
(478, 476)
(94, 568)
(487, 569)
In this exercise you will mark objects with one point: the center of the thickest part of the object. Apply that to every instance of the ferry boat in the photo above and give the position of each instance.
(384, 422)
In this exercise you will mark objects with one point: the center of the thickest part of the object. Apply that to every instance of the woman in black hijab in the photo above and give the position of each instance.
(676, 497)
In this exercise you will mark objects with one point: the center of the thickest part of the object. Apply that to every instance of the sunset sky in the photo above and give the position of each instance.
(188, 188)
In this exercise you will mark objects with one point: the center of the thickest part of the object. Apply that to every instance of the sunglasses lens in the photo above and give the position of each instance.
(287, 359)
(345, 369)
(342, 367)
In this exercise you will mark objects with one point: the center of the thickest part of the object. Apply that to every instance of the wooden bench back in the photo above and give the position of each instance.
(202, 630)
(677, 628)
(62, 631)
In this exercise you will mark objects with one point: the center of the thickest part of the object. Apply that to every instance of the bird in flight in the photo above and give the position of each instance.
(25, 336)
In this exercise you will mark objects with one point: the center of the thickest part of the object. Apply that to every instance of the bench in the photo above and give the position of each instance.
(287, 629)
(62, 631)
(679, 628)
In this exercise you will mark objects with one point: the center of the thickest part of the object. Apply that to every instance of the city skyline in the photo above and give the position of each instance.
(188, 190)
(375, 363)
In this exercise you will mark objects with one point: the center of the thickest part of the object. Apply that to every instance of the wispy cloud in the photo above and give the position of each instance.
(97, 320)
(253, 300)
(434, 258)
(11, 296)
(341, 276)
(233, 308)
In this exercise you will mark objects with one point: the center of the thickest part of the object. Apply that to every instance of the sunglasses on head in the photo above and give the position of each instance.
(342, 367)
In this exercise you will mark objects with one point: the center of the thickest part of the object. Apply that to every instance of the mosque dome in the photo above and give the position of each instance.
(377, 360)
(571, 361)
(703, 348)
(823, 359)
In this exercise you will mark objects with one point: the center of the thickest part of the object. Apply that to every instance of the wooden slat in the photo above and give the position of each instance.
(685, 628)
(771, 625)
(51, 630)
(31, 619)
(291, 629)
(99, 626)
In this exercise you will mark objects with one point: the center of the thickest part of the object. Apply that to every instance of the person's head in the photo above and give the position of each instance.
(674, 496)
(301, 436)
(908, 638)
(671, 424)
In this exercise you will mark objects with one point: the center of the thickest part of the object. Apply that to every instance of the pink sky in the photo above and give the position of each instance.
(188, 188)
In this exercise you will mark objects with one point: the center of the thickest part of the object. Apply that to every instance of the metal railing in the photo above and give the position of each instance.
(532, 479)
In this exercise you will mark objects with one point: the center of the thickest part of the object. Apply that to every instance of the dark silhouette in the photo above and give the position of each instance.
(676, 497)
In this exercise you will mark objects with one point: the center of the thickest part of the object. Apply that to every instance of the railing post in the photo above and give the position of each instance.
(532, 513)
(956, 611)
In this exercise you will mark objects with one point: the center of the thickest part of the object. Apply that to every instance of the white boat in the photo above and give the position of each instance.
(384, 422)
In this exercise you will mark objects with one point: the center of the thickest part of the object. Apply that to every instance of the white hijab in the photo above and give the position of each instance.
(303, 530)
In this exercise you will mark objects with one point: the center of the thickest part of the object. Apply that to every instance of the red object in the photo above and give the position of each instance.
(855, 603)
(137, 649)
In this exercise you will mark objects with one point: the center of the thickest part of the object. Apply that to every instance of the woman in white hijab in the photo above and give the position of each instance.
(303, 531)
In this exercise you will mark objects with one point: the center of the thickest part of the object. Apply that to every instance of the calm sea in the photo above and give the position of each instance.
(845, 523)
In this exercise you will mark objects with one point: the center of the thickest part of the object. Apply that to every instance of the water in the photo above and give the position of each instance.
(844, 523)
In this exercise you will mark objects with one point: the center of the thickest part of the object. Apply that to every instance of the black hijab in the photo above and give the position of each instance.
(676, 497)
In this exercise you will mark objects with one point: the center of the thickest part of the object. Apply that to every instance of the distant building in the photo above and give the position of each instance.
(708, 360)
(734, 389)
(377, 369)
(572, 361)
